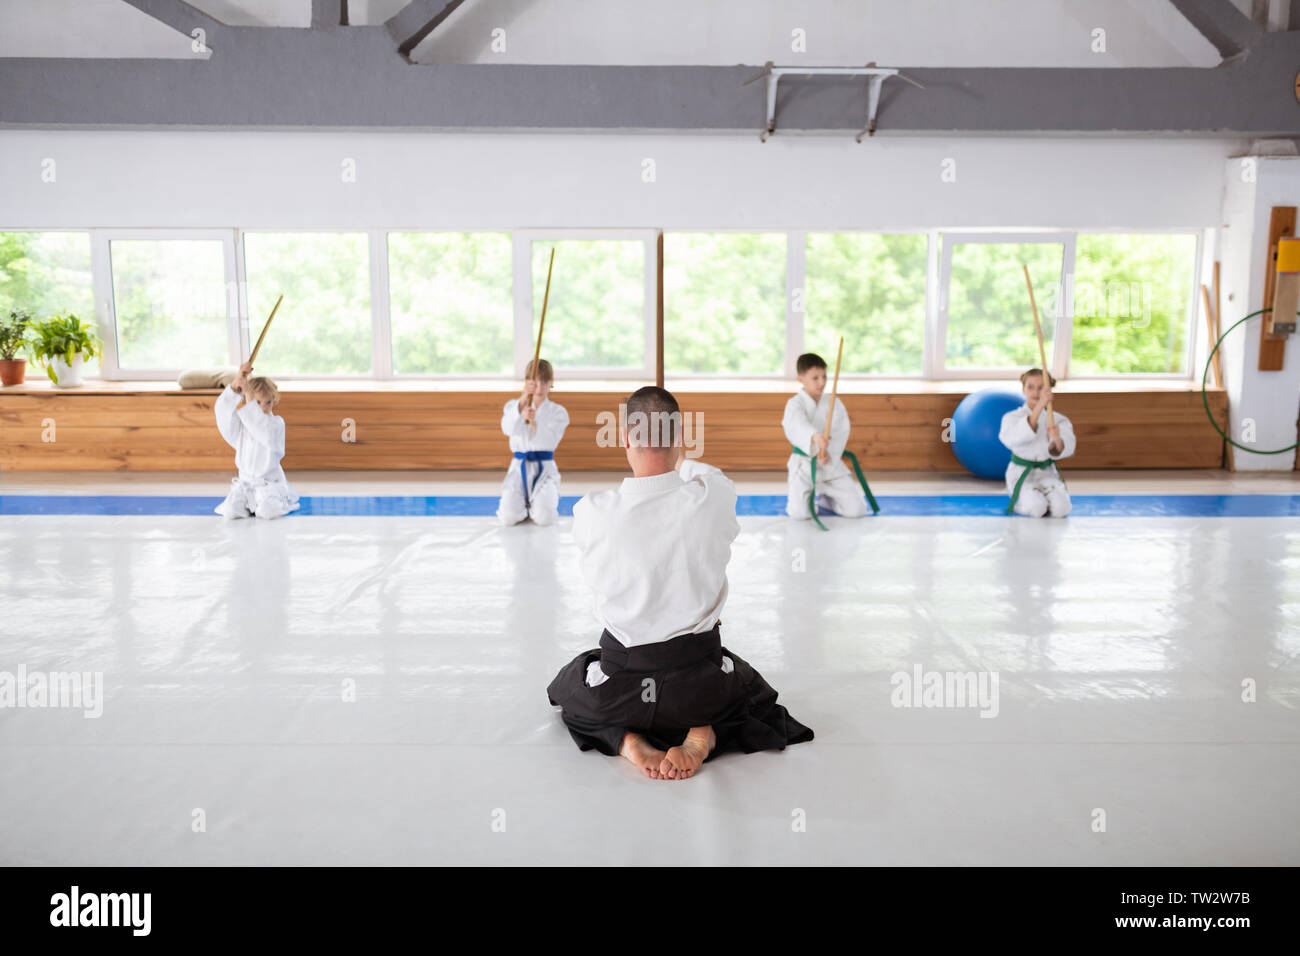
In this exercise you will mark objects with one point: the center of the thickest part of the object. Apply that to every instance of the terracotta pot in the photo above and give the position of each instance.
(13, 371)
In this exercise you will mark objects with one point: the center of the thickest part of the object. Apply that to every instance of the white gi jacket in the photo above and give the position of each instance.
(258, 438)
(1031, 445)
(654, 552)
(802, 418)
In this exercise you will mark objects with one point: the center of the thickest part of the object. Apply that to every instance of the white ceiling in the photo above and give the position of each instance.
(954, 33)
(919, 33)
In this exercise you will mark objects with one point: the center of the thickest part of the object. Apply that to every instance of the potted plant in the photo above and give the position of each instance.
(62, 343)
(13, 335)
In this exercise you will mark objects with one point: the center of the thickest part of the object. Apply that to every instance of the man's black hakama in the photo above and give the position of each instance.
(662, 690)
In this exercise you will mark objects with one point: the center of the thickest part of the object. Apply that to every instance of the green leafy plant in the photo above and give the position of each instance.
(13, 333)
(64, 337)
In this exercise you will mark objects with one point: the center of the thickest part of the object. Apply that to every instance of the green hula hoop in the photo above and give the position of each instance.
(1206, 402)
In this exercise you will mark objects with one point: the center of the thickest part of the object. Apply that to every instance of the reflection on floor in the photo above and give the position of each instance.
(1112, 654)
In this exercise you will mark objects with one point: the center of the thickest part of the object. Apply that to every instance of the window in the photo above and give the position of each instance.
(870, 289)
(1132, 303)
(169, 302)
(989, 322)
(596, 317)
(735, 303)
(44, 273)
(724, 303)
(324, 324)
(450, 303)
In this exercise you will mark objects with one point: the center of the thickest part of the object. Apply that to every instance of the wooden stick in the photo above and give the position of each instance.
(1218, 368)
(659, 310)
(264, 328)
(1042, 353)
(1218, 304)
(537, 352)
(1209, 325)
(830, 412)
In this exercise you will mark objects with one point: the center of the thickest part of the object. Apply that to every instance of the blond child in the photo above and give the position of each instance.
(247, 422)
(1033, 483)
(531, 487)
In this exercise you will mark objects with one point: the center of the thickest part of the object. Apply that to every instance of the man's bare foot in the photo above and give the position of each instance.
(682, 762)
(638, 750)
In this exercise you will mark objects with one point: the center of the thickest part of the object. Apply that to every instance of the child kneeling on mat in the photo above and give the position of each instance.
(257, 435)
(1034, 484)
(532, 489)
(805, 416)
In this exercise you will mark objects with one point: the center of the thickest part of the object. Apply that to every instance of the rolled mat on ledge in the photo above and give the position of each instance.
(207, 377)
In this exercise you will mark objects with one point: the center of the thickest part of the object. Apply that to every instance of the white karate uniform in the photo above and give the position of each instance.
(544, 496)
(693, 468)
(1043, 491)
(258, 439)
(837, 485)
(654, 552)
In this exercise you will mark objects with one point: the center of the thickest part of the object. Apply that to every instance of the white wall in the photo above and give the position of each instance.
(502, 181)
(86, 28)
(1271, 400)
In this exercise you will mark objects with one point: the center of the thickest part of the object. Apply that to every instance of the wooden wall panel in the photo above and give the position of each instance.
(401, 430)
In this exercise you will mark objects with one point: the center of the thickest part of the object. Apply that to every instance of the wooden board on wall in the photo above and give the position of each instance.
(1281, 223)
(740, 431)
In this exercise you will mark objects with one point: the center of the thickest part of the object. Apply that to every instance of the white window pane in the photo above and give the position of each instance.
(724, 303)
(44, 273)
(596, 314)
(1131, 303)
(323, 326)
(871, 290)
(990, 323)
(169, 296)
(451, 303)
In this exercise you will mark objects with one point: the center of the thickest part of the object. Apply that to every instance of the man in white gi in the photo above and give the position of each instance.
(661, 690)
(1033, 483)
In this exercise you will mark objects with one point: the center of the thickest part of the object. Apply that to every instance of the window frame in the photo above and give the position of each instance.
(525, 344)
(383, 318)
(101, 265)
(378, 321)
(793, 319)
(940, 244)
(931, 239)
(936, 363)
(1189, 319)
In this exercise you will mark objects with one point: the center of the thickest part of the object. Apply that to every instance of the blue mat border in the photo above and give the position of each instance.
(1091, 506)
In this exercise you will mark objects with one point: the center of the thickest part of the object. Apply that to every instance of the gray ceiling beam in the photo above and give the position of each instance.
(1229, 30)
(350, 79)
(415, 21)
(328, 14)
(178, 15)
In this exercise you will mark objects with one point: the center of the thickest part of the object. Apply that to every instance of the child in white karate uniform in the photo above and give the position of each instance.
(257, 435)
(805, 417)
(1033, 483)
(531, 488)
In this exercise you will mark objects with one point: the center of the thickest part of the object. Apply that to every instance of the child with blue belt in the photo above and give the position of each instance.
(531, 488)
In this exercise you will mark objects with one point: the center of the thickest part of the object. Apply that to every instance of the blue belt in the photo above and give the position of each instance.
(524, 457)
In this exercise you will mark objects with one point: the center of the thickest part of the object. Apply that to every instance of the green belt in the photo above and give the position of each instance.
(812, 497)
(1028, 466)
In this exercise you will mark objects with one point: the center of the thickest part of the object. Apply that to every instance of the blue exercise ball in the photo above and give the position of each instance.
(975, 426)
